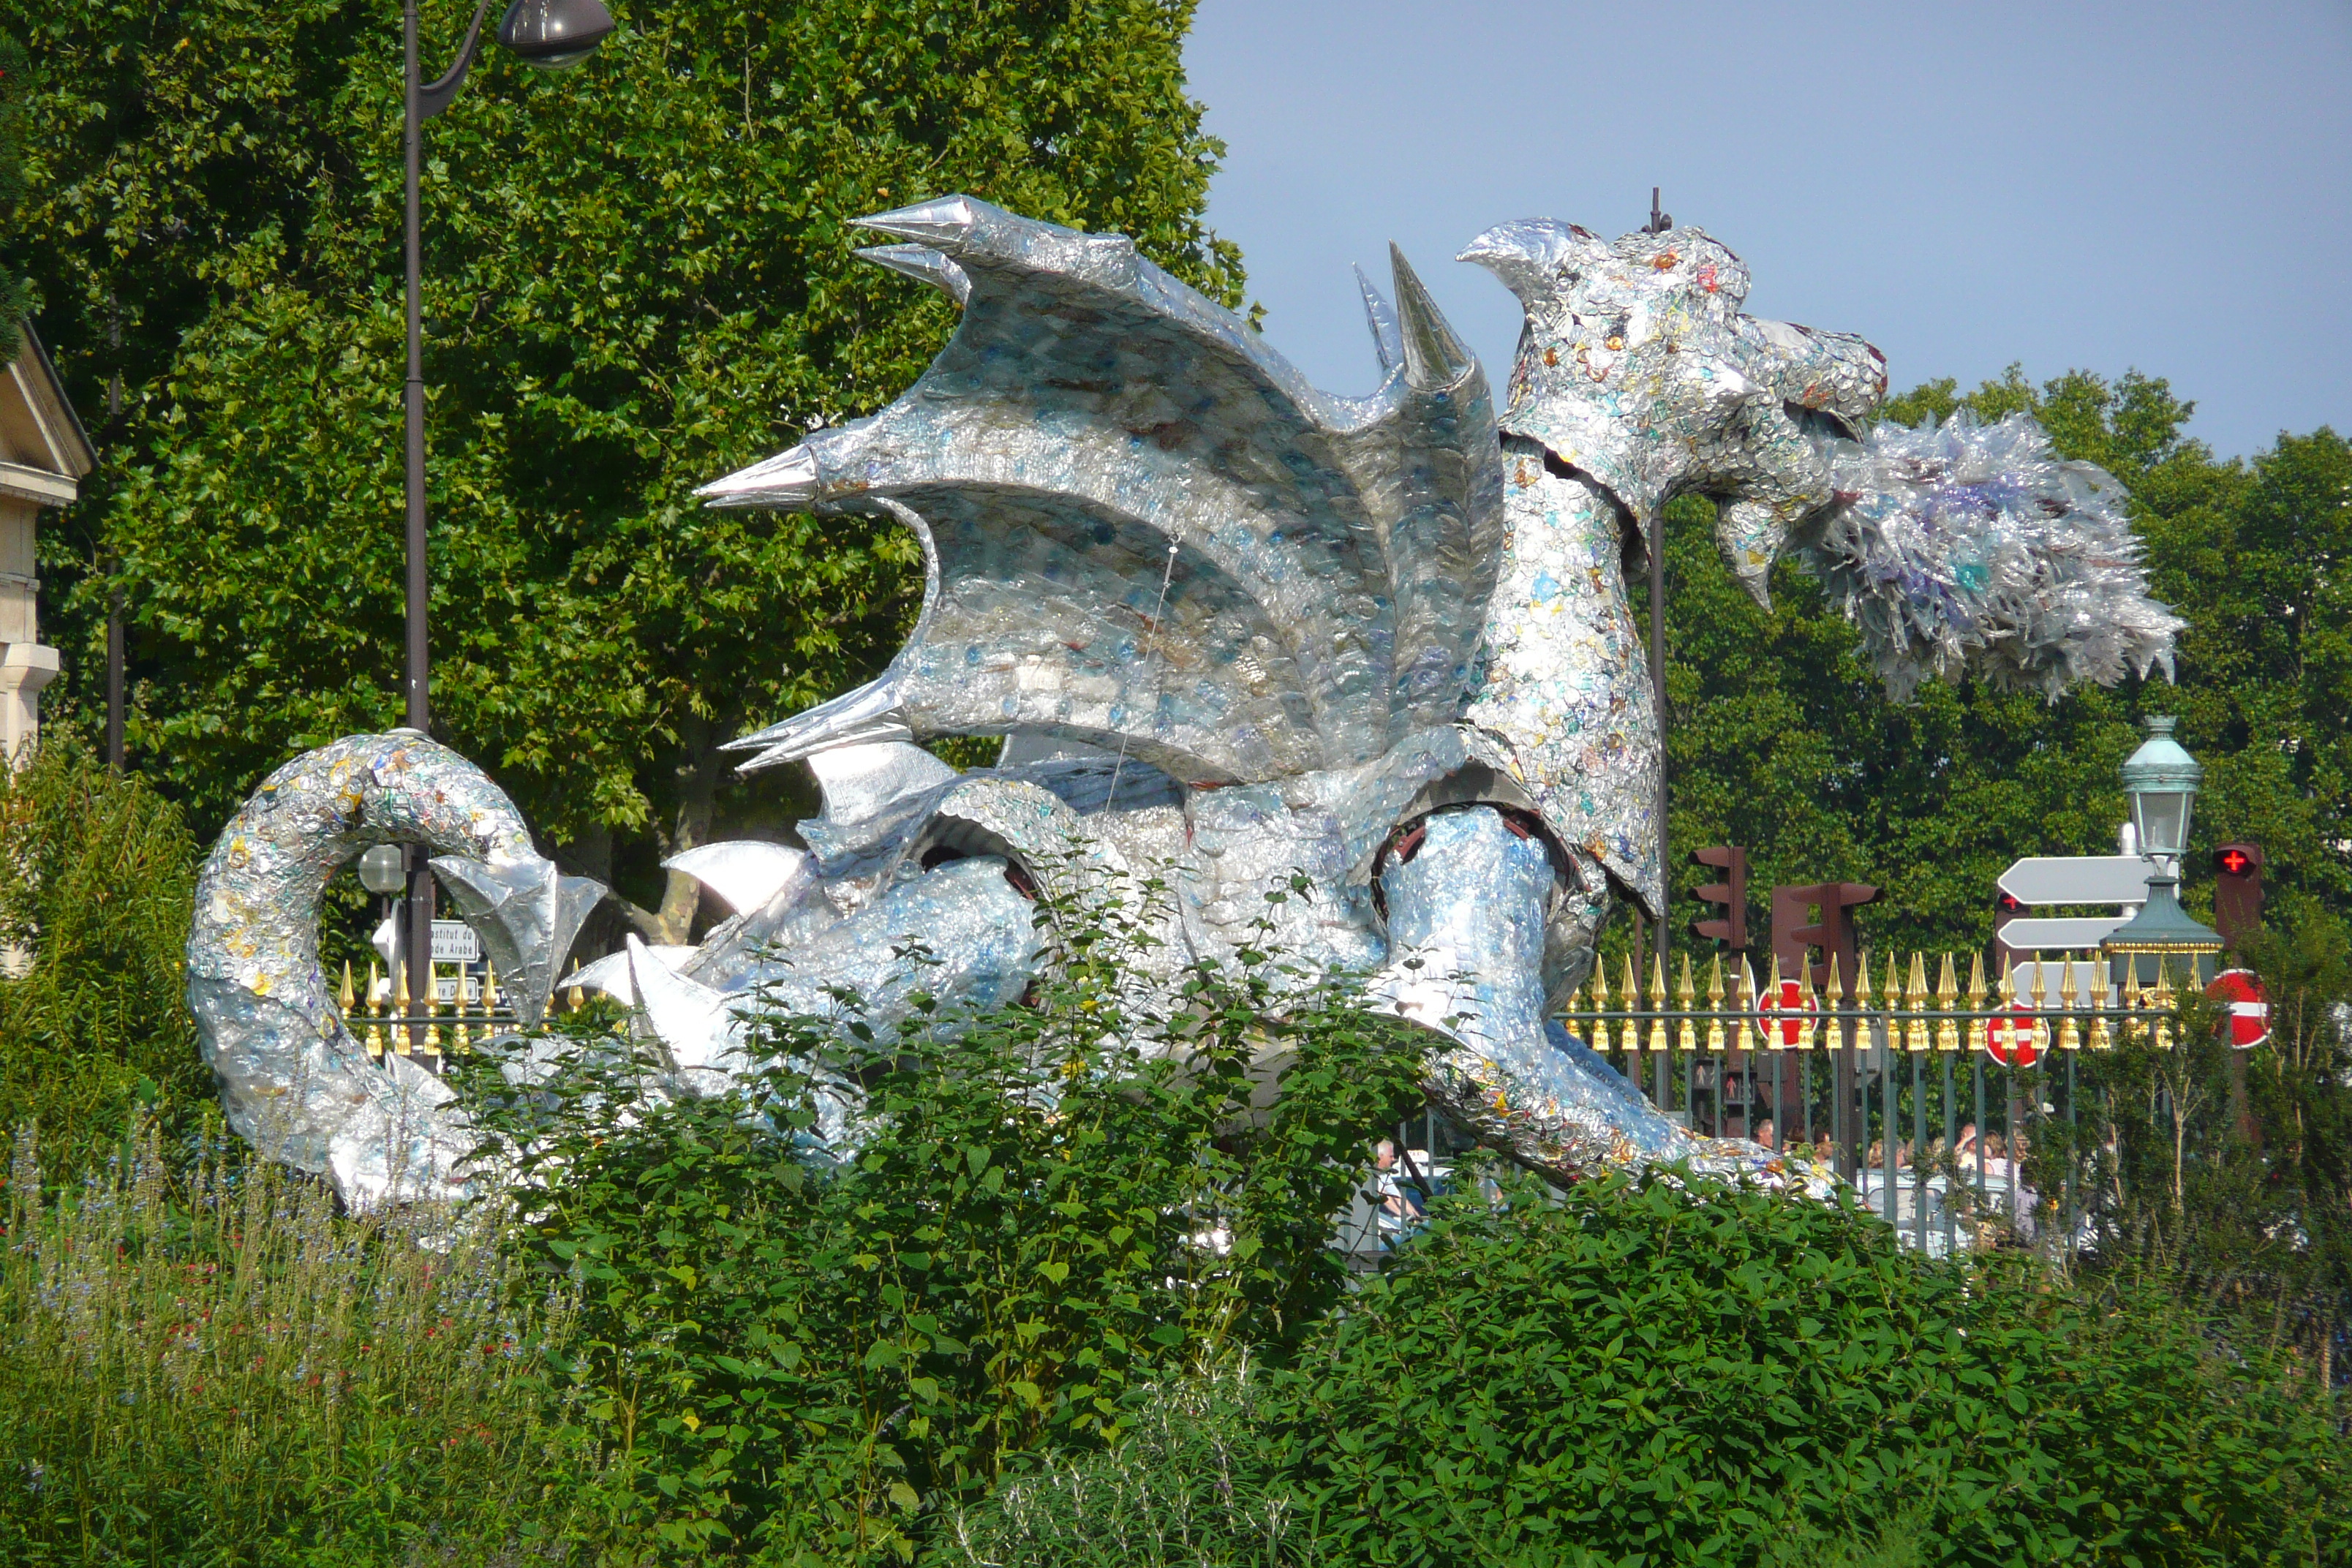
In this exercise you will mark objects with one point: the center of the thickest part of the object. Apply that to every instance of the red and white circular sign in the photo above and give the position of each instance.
(1789, 1011)
(2249, 1021)
(2010, 1040)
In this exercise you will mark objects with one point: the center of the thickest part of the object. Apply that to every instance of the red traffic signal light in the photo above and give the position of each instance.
(1731, 893)
(2238, 891)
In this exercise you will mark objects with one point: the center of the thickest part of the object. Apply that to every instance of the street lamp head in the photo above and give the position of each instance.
(554, 34)
(2161, 780)
(384, 870)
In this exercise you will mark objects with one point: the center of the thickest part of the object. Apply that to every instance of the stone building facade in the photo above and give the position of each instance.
(44, 453)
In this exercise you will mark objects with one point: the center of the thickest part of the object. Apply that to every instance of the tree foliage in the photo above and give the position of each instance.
(638, 275)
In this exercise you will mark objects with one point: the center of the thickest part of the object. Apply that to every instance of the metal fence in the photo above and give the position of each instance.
(1776, 1062)
(1870, 1075)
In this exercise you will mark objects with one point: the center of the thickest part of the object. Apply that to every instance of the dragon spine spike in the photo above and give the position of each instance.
(924, 264)
(1388, 340)
(943, 225)
(870, 712)
(786, 482)
(1433, 357)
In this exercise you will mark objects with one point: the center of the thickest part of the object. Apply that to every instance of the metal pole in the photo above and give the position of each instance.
(420, 876)
(2073, 1156)
(114, 680)
(1951, 1234)
(1975, 1071)
(1919, 1150)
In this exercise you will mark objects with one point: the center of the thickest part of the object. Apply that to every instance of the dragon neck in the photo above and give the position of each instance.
(1564, 673)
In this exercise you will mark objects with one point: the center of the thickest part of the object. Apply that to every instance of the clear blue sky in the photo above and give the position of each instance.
(2159, 186)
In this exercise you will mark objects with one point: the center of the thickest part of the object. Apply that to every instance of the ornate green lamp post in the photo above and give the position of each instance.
(2161, 781)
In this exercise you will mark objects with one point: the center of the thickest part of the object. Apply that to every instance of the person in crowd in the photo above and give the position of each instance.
(1767, 1134)
(1393, 1205)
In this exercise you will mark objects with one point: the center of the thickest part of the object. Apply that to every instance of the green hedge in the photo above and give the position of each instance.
(1640, 1374)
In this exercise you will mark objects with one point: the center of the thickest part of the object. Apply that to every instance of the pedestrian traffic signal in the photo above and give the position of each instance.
(1731, 893)
(2238, 891)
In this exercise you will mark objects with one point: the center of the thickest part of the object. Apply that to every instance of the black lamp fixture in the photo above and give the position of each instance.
(551, 34)
(554, 35)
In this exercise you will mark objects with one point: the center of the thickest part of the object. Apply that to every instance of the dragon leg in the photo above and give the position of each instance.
(1467, 921)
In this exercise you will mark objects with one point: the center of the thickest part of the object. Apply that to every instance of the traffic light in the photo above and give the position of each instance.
(2238, 891)
(1795, 931)
(1731, 893)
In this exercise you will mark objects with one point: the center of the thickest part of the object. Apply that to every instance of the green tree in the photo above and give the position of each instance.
(16, 289)
(639, 276)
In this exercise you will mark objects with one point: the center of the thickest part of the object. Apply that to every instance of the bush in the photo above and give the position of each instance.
(1637, 1372)
(1050, 1207)
(98, 891)
(226, 1373)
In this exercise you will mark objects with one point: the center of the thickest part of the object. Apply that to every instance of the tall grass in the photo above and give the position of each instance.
(221, 1370)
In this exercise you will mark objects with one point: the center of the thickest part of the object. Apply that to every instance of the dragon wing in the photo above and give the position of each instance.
(1144, 530)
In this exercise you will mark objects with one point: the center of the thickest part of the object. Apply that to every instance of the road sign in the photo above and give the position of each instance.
(2093, 988)
(2249, 1021)
(1789, 1013)
(2058, 935)
(454, 941)
(2010, 1040)
(2078, 879)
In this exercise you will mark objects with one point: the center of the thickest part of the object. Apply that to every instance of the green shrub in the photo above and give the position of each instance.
(96, 879)
(225, 1372)
(1050, 1206)
(1639, 1373)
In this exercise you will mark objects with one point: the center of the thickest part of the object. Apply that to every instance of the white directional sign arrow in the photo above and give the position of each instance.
(2078, 879)
(2059, 935)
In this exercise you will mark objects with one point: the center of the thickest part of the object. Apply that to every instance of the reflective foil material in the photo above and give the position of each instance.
(293, 1082)
(1243, 637)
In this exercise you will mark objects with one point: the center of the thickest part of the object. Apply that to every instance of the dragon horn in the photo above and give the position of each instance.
(1433, 356)
(1388, 342)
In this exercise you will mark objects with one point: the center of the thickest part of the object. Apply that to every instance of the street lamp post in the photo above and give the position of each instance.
(550, 34)
(2160, 779)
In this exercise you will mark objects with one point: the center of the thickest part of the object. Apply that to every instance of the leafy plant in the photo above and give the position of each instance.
(1674, 1372)
(1048, 1209)
(95, 904)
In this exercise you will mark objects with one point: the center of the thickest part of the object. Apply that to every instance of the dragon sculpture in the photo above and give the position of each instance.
(1232, 630)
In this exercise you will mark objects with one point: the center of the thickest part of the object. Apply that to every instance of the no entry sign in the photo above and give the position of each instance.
(2248, 1023)
(1786, 1013)
(2008, 1040)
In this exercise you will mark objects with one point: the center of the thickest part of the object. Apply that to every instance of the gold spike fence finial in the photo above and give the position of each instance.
(1660, 1038)
(2164, 1000)
(1686, 1001)
(1948, 1004)
(2070, 996)
(1914, 1034)
(404, 1032)
(1743, 1006)
(1715, 997)
(1629, 998)
(2135, 1002)
(375, 1014)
